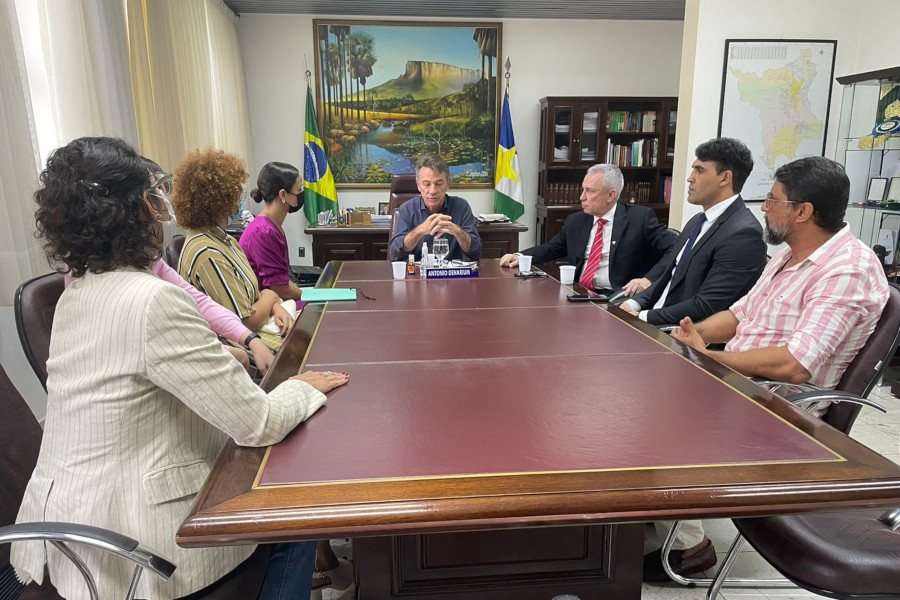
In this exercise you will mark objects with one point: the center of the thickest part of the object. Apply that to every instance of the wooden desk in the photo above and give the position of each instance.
(497, 442)
(371, 243)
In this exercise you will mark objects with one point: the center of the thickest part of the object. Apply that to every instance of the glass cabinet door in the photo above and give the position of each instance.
(562, 134)
(589, 141)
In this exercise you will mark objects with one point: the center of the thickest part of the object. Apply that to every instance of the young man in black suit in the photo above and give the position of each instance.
(632, 238)
(718, 257)
(720, 254)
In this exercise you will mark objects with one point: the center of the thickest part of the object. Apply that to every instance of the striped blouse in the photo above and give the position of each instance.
(213, 262)
(140, 401)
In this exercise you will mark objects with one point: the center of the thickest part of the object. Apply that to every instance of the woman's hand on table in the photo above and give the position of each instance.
(262, 356)
(324, 381)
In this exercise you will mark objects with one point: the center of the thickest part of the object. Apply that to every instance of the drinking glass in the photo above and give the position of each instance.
(441, 249)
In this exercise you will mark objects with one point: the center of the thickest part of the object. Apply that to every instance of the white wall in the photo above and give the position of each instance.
(549, 58)
(708, 23)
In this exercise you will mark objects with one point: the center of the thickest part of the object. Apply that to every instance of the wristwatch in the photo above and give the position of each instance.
(250, 338)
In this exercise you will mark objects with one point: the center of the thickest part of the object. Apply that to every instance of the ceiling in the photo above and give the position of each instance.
(656, 10)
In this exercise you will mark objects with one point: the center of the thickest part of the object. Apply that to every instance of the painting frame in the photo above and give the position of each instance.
(442, 95)
(805, 68)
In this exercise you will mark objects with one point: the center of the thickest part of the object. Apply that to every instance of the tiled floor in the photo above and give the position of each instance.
(880, 432)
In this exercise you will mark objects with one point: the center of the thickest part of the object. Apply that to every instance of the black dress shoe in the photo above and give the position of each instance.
(701, 561)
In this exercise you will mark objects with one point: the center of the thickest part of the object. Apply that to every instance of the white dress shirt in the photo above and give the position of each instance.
(713, 213)
(601, 277)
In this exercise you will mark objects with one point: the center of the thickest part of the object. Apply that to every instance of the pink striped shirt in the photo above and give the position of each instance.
(823, 309)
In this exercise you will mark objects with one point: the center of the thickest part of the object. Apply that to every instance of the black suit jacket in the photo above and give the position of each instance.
(722, 266)
(639, 241)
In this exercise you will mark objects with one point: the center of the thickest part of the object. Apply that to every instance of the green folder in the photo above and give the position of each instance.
(327, 294)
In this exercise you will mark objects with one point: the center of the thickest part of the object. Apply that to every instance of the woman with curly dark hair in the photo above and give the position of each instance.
(140, 396)
(208, 189)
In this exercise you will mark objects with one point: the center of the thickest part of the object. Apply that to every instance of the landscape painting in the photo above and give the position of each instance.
(390, 92)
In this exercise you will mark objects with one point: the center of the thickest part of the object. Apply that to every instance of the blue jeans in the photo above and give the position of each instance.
(289, 576)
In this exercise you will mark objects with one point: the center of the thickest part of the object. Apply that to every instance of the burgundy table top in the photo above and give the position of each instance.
(500, 375)
(493, 402)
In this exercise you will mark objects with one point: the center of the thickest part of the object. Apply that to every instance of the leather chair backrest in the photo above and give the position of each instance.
(20, 441)
(863, 372)
(173, 251)
(35, 305)
(393, 230)
(403, 187)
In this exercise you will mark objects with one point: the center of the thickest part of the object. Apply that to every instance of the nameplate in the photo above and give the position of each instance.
(451, 272)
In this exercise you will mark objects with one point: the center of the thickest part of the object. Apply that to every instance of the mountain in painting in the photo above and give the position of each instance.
(426, 80)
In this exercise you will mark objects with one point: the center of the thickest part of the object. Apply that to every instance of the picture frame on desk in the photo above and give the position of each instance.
(383, 207)
(877, 189)
(775, 98)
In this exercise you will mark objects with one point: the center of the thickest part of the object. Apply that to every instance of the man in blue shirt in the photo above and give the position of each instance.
(434, 214)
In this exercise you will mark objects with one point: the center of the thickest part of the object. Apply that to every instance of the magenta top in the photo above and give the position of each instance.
(221, 320)
(266, 248)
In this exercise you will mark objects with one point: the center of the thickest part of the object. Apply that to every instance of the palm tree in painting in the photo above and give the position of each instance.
(340, 33)
(325, 95)
(333, 78)
(362, 58)
(486, 38)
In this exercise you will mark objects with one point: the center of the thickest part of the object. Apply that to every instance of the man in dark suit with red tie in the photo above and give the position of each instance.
(612, 246)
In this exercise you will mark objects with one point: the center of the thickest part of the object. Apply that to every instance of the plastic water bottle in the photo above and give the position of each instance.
(424, 262)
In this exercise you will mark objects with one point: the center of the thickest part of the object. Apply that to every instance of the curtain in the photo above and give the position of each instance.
(63, 75)
(187, 80)
(20, 254)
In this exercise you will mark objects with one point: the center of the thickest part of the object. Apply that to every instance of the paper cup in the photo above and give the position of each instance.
(399, 268)
(567, 274)
(524, 264)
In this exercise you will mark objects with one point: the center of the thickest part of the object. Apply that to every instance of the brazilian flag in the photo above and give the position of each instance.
(320, 193)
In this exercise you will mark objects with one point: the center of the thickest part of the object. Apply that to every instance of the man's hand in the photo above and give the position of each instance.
(687, 334)
(635, 286)
(283, 319)
(509, 260)
(323, 381)
(627, 308)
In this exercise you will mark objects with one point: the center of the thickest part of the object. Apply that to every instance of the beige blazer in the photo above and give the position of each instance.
(141, 399)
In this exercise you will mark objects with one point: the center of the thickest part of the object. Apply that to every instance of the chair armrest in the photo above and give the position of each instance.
(773, 385)
(832, 396)
(891, 518)
(103, 539)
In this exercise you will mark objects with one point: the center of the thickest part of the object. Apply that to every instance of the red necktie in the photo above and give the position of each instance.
(587, 276)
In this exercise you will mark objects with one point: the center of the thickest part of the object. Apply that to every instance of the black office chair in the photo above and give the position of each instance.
(21, 436)
(403, 187)
(847, 555)
(848, 398)
(173, 251)
(34, 307)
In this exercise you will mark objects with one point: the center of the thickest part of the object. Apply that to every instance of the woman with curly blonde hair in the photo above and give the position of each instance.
(208, 189)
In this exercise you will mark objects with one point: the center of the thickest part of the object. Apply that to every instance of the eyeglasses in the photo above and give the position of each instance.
(162, 184)
(769, 201)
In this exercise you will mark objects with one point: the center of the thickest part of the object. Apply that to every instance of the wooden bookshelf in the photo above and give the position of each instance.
(637, 134)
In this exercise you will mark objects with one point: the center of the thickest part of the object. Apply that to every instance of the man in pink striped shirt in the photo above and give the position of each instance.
(812, 309)
(817, 301)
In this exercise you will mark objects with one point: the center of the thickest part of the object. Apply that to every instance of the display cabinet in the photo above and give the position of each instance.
(637, 134)
(869, 148)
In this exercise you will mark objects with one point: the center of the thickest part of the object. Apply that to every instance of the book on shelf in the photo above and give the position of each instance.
(631, 121)
(667, 190)
(639, 153)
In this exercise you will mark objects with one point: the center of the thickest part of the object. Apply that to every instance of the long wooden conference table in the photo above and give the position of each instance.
(498, 442)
